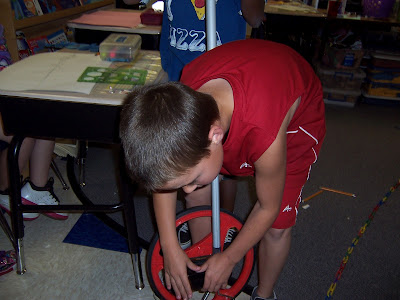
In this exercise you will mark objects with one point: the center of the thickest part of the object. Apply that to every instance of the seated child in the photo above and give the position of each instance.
(38, 189)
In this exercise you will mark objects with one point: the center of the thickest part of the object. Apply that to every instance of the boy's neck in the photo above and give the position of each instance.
(222, 92)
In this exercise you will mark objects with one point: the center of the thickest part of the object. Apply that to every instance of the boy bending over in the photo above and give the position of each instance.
(249, 107)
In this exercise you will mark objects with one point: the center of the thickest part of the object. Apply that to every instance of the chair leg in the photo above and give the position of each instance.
(7, 230)
(59, 175)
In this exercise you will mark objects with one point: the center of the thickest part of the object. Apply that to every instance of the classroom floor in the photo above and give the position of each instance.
(360, 155)
(59, 270)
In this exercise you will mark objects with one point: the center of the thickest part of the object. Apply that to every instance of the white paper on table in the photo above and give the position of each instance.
(52, 71)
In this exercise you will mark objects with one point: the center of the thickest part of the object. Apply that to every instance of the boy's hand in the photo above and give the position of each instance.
(218, 269)
(175, 264)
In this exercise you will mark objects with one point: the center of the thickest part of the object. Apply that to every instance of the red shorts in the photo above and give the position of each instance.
(291, 200)
(302, 153)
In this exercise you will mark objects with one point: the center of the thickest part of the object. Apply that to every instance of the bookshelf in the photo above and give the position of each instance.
(38, 25)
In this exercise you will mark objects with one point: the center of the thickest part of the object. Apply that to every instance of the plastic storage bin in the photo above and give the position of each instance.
(120, 47)
(342, 58)
(380, 100)
(383, 89)
(381, 60)
(389, 76)
(384, 76)
(341, 97)
(340, 78)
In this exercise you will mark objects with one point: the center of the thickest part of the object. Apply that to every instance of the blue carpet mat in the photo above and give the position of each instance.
(90, 231)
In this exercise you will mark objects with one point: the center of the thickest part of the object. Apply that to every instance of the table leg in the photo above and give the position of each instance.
(128, 188)
(15, 201)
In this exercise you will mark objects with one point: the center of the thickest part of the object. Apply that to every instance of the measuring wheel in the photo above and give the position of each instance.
(198, 253)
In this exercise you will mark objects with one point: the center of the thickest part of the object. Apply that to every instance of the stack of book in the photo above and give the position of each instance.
(383, 81)
(44, 43)
(30, 8)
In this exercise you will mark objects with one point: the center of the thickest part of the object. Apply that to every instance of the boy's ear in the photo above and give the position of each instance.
(216, 134)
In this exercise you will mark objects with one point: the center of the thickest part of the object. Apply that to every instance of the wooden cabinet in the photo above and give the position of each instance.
(40, 25)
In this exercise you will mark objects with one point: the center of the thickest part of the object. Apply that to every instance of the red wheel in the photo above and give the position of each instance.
(198, 251)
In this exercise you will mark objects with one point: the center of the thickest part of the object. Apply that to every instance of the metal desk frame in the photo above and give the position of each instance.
(38, 115)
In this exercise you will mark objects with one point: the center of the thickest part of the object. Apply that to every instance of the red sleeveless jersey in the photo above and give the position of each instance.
(266, 79)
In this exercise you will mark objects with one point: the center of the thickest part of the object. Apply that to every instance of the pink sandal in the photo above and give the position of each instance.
(7, 261)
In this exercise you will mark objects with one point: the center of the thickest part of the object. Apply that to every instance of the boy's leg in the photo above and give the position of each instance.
(38, 190)
(40, 162)
(24, 154)
(199, 227)
(275, 245)
(228, 188)
(273, 252)
(23, 158)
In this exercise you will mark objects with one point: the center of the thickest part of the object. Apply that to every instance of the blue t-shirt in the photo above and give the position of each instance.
(183, 34)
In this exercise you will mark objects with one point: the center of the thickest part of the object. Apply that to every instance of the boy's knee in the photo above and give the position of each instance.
(274, 234)
(197, 199)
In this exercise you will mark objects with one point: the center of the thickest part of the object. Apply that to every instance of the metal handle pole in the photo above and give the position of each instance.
(215, 216)
(211, 27)
(211, 35)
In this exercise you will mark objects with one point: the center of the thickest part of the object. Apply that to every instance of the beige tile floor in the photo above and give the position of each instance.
(57, 270)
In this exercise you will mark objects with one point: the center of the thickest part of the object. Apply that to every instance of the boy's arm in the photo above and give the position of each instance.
(253, 12)
(175, 259)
